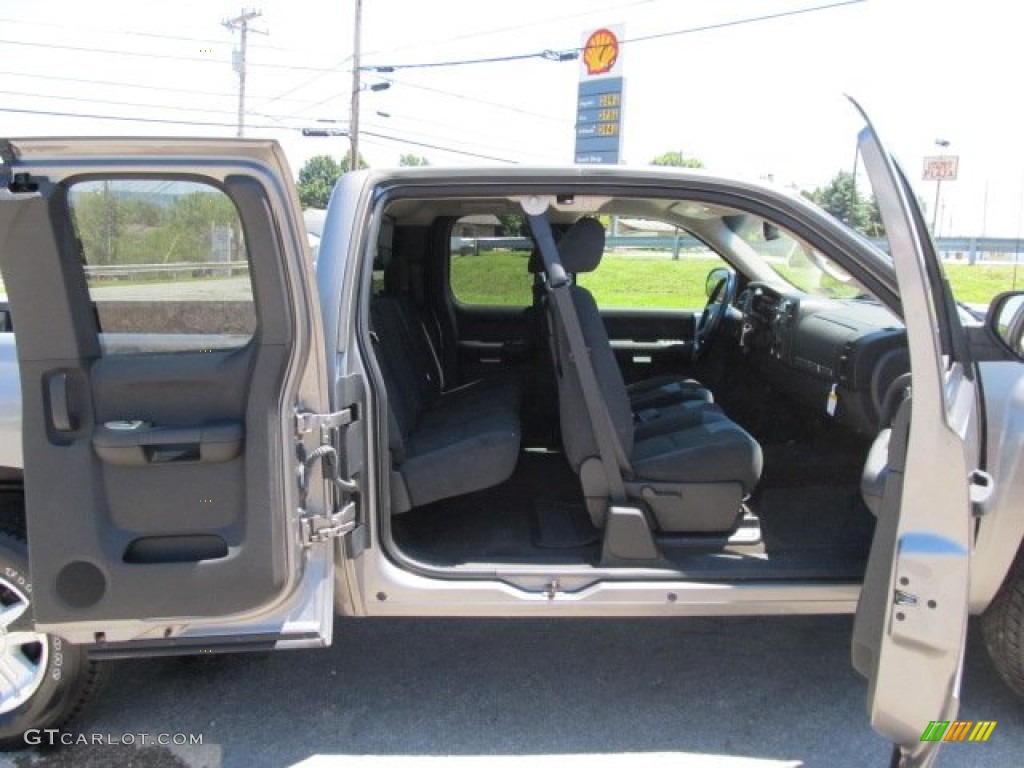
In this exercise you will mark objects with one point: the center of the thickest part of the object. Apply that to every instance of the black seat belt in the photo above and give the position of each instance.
(612, 455)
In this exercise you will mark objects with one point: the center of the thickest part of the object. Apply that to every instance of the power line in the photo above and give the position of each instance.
(568, 54)
(137, 33)
(468, 144)
(310, 81)
(129, 119)
(141, 86)
(117, 103)
(126, 118)
(149, 55)
(546, 54)
(740, 22)
(514, 27)
(477, 100)
(460, 140)
(440, 148)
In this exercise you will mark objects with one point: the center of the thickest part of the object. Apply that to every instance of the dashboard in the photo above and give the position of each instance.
(837, 356)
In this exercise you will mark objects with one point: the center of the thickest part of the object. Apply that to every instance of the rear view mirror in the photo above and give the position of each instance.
(715, 276)
(1006, 320)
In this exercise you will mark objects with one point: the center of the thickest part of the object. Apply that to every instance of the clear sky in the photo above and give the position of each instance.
(757, 99)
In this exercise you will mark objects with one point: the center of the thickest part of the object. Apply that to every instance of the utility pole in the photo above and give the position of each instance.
(353, 129)
(238, 58)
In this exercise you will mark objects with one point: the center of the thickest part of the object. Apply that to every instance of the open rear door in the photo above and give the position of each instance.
(911, 621)
(170, 349)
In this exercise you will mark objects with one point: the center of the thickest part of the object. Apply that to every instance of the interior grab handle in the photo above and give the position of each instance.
(60, 407)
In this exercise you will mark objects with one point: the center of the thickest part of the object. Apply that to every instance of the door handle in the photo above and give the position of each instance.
(60, 406)
(144, 444)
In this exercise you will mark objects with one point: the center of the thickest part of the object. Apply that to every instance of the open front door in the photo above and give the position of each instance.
(911, 621)
(169, 342)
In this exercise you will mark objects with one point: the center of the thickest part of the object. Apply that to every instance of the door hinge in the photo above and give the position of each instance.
(317, 529)
(307, 421)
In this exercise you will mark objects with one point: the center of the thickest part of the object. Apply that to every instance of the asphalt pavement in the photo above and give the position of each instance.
(724, 692)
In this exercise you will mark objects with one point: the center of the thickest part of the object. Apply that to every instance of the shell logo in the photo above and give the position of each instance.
(600, 52)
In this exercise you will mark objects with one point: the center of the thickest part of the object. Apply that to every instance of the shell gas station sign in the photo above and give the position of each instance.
(599, 97)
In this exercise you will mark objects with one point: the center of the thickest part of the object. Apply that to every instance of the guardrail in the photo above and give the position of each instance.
(206, 268)
(971, 249)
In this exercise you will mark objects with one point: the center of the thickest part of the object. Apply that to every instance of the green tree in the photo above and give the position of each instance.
(840, 198)
(193, 219)
(412, 161)
(319, 175)
(677, 160)
(511, 225)
(874, 226)
(316, 180)
(99, 222)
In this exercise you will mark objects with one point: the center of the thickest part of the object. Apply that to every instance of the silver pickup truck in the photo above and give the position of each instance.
(216, 448)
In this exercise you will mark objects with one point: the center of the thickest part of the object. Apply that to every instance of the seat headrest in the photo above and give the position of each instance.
(581, 248)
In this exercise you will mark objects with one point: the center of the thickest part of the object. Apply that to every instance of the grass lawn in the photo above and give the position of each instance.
(977, 284)
(500, 278)
(639, 280)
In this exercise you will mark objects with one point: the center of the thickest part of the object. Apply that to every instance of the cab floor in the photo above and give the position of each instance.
(537, 517)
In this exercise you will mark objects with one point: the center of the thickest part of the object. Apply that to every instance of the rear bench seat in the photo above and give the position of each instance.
(443, 443)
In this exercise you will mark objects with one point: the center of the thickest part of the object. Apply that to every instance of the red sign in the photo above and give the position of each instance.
(941, 168)
(600, 52)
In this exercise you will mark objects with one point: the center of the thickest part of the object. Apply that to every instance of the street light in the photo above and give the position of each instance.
(324, 132)
(942, 144)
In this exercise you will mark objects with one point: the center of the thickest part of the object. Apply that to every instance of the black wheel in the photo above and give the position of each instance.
(1002, 624)
(44, 680)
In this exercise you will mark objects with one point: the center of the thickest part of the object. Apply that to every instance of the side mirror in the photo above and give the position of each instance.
(1006, 320)
(715, 277)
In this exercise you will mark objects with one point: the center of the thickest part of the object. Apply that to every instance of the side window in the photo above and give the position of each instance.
(489, 256)
(166, 264)
(651, 265)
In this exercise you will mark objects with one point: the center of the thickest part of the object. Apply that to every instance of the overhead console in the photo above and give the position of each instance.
(836, 356)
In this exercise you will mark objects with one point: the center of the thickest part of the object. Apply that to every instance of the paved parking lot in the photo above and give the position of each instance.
(765, 692)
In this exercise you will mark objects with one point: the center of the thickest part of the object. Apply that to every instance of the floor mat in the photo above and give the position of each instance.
(563, 525)
(499, 524)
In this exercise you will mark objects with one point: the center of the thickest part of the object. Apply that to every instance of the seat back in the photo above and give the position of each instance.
(580, 250)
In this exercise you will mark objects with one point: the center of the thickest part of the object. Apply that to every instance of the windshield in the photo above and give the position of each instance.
(799, 264)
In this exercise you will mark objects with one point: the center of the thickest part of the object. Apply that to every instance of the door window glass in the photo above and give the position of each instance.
(166, 264)
(650, 265)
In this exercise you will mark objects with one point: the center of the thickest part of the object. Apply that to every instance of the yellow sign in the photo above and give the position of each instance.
(600, 52)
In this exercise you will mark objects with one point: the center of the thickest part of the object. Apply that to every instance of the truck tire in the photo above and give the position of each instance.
(44, 680)
(1002, 625)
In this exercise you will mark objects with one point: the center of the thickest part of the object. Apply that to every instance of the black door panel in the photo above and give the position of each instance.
(649, 342)
(492, 339)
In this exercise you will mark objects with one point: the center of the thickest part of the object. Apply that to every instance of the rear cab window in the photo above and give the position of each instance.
(647, 265)
(488, 263)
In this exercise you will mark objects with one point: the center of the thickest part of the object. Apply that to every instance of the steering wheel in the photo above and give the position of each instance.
(710, 320)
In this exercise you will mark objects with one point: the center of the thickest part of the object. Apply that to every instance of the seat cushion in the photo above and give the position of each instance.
(455, 451)
(716, 450)
(666, 390)
(672, 418)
